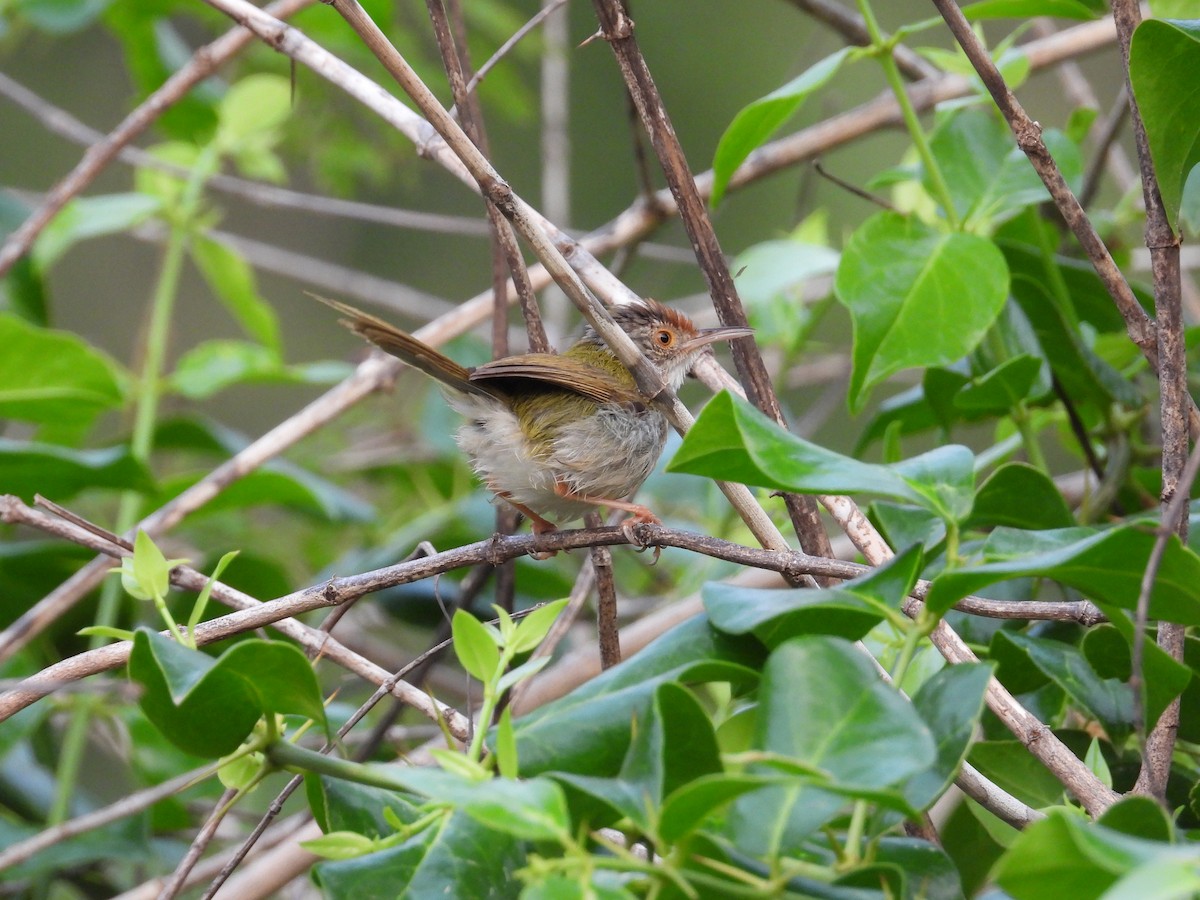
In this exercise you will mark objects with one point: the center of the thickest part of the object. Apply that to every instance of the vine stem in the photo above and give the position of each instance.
(162, 305)
(891, 72)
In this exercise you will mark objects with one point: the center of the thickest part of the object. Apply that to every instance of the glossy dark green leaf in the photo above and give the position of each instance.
(687, 808)
(1011, 766)
(1001, 389)
(849, 611)
(1107, 648)
(455, 857)
(675, 747)
(1139, 816)
(1065, 856)
(896, 276)
(588, 731)
(733, 441)
(1163, 56)
(930, 874)
(210, 722)
(823, 705)
(60, 473)
(47, 376)
(341, 805)
(533, 809)
(1083, 375)
(1107, 699)
(208, 706)
(777, 615)
(906, 526)
(758, 121)
(1019, 495)
(950, 703)
(1107, 567)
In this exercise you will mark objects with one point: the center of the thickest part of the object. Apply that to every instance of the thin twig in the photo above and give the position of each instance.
(1175, 404)
(608, 631)
(507, 46)
(175, 882)
(1141, 329)
(850, 25)
(120, 809)
(99, 155)
(618, 30)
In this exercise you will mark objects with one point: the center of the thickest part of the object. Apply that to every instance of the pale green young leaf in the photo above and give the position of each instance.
(532, 629)
(475, 646)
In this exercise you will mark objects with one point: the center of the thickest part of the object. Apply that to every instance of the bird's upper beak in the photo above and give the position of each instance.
(707, 336)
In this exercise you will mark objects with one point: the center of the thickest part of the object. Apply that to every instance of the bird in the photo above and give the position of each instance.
(556, 435)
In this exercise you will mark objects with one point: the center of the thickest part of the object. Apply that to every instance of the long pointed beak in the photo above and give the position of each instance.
(706, 336)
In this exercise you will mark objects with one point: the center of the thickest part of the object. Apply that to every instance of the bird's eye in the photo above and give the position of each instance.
(664, 337)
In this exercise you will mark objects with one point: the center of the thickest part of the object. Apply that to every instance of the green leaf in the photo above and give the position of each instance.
(1107, 567)
(1139, 816)
(989, 179)
(213, 366)
(89, 217)
(1023, 9)
(151, 570)
(208, 706)
(533, 628)
(758, 121)
(49, 376)
(676, 746)
(59, 472)
(950, 703)
(775, 616)
(534, 809)
(1019, 495)
(211, 722)
(1189, 203)
(1001, 389)
(342, 805)
(1163, 56)
(1011, 766)
(775, 269)
(475, 646)
(849, 611)
(255, 105)
(896, 276)
(456, 857)
(339, 845)
(1064, 856)
(588, 731)
(735, 442)
(824, 706)
(232, 280)
(1107, 648)
(1055, 321)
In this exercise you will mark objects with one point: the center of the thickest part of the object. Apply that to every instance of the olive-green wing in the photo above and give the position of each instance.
(561, 371)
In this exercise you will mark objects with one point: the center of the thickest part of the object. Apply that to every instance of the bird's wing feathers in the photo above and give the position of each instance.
(562, 371)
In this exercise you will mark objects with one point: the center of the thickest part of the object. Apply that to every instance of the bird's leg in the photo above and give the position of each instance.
(640, 514)
(536, 522)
